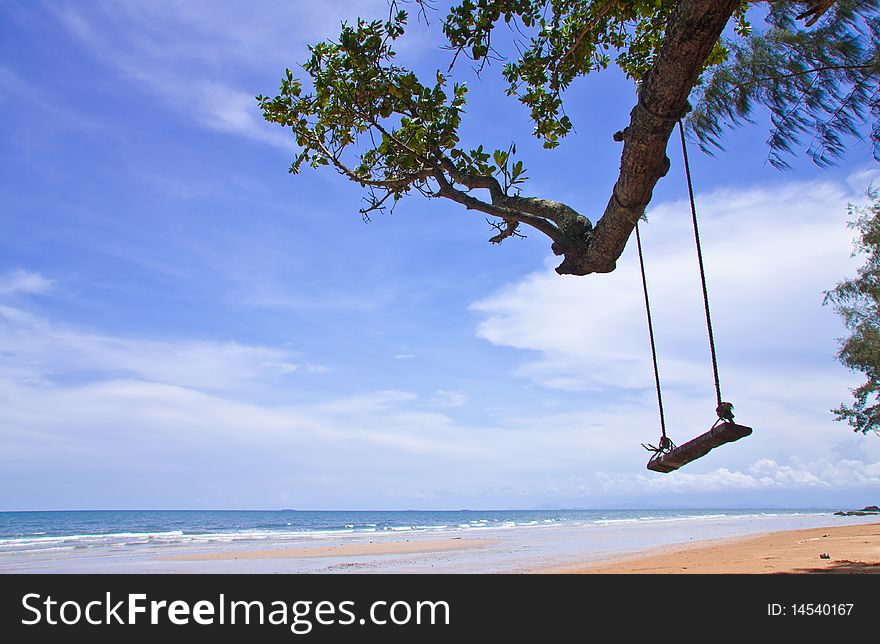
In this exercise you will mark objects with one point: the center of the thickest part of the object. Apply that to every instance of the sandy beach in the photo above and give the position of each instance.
(360, 550)
(850, 549)
(631, 542)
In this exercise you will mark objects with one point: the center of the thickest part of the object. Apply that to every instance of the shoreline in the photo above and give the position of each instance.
(355, 550)
(714, 544)
(849, 549)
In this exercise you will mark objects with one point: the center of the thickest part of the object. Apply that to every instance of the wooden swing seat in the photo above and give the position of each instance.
(725, 432)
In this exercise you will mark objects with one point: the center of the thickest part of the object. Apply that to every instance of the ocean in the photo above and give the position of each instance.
(23, 533)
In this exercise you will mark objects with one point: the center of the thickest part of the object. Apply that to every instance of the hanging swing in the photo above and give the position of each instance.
(667, 456)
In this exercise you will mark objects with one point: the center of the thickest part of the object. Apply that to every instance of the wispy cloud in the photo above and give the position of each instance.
(36, 349)
(228, 110)
(22, 281)
(193, 55)
(10, 83)
(765, 474)
(446, 398)
(770, 253)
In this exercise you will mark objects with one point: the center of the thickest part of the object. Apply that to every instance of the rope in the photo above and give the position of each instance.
(724, 410)
(687, 170)
(664, 441)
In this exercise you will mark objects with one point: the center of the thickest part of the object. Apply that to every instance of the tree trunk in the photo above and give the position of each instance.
(694, 28)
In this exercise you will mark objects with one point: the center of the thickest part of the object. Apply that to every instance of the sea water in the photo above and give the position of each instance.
(33, 532)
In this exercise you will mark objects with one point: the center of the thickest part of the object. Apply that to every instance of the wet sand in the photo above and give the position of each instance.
(756, 543)
(353, 550)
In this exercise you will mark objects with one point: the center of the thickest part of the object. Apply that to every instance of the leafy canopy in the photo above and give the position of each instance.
(384, 128)
(820, 85)
(380, 125)
(813, 66)
(566, 39)
(857, 301)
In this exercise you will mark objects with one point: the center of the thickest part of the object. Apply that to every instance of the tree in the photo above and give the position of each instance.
(857, 301)
(814, 66)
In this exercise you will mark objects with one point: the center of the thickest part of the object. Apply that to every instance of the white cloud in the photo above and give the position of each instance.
(769, 252)
(21, 281)
(78, 404)
(232, 111)
(192, 55)
(860, 180)
(10, 83)
(191, 412)
(36, 349)
(447, 398)
(764, 474)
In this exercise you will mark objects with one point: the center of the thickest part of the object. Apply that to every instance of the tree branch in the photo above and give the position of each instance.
(694, 28)
(505, 230)
(388, 184)
(473, 181)
(446, 189)
(565, 217)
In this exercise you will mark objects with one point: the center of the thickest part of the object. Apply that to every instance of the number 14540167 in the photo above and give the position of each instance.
(782, 610)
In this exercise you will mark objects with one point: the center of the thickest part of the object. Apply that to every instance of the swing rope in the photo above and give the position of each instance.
(687, 171)
(665, 443)
(723, 410)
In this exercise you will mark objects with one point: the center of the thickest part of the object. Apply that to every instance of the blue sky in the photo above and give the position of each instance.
(185, 325)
